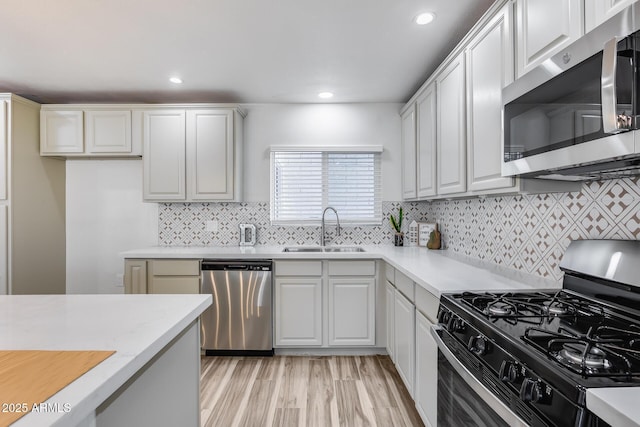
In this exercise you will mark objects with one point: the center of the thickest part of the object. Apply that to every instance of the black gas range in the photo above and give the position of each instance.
(538, 352)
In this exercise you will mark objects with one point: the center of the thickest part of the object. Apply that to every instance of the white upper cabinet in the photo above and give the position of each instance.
(164, 155)
(192, 155)
(3, 153)
(489, 69)
(88, 131)
(450, 128)
(61, 132)
(544, 27)
(108, 131)
(598, 11)
(409, 153)
(426, 142)
(210, 154)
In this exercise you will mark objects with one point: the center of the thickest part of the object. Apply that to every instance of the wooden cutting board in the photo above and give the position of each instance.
(30, 377)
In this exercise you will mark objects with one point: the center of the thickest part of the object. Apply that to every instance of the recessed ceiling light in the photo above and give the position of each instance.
(425, 18)
(176, 80)
(325, 95)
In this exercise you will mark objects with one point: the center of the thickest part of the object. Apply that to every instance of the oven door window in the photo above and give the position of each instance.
(459, 404)
(566, 110)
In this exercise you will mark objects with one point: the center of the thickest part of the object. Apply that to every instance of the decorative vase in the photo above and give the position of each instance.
(398, 239)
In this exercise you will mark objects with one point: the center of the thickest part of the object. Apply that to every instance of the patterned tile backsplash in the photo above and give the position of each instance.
(183, 224)
(525, 232)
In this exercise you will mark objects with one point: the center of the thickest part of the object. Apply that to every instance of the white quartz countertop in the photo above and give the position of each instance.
(437, 271)
(618, 406)
(137, 327)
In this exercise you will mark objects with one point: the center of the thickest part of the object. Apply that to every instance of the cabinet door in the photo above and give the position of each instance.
(164, 155)
(298, 311)
(452, 176)
(389, 305)
(489, 69)
(61, 132)
(4, 129)
(426, 142)
(4, 247)
(409, 154)
(135, 276)
(108, 132)
(426, 390)
(598, 11)
(404, 339)
(352, 311)
(543, 28)
(210, 154)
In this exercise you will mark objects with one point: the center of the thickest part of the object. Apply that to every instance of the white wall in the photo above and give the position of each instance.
(105, 216)
(105, 213)
(320, 124)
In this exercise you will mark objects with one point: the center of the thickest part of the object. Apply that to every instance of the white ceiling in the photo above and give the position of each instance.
(250, 51)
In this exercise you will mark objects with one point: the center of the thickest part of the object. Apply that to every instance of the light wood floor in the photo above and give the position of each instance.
(304, 391)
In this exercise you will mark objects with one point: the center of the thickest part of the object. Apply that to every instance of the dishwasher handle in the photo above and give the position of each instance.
(239, 265)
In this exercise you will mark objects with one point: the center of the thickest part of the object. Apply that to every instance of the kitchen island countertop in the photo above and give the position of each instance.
(137, 327)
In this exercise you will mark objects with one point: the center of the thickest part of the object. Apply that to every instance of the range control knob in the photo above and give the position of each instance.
(444, 316)
(509, 372)
(478, 345)
(455, 324)
(534, 391)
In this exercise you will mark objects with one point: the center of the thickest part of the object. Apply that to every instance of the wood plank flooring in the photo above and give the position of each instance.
(304, 391)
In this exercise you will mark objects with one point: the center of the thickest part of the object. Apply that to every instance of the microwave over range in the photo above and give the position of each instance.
(575, 116)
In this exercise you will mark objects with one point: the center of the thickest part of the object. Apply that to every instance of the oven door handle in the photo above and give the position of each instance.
(489, 398)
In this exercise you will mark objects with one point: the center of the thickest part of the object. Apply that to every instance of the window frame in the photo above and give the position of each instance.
(377, 218)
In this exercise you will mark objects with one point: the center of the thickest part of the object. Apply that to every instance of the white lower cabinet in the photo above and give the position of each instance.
(390, 292)
(404, 339)
(426, 385)
(298, 311)
(330, 303)
(352, 311)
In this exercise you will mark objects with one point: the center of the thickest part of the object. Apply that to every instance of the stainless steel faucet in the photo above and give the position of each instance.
(322, 237)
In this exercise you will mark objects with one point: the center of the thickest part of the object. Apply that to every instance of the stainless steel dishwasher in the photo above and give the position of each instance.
(239, 320)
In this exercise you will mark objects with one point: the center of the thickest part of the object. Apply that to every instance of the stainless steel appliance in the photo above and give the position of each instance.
(574, 117)
(528, 358)
(239, 321)
(247, 234)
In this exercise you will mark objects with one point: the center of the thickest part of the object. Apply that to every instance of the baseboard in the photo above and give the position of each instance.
(347, 351)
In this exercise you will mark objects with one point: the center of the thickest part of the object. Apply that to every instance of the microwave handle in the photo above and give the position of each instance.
(611, 123)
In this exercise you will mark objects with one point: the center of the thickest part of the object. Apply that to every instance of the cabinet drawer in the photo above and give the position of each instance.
(405, 285)
(427, 303)
(175, 267)
(352, 268)
(298, 268)
(174, 285)
(389, 273)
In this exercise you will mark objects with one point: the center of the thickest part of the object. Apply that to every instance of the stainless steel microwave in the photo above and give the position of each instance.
(575, 116)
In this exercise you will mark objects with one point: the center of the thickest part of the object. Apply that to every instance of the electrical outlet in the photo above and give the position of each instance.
(212, 226)
(119, 279)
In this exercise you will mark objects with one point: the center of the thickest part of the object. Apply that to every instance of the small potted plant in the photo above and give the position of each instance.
(398, 239)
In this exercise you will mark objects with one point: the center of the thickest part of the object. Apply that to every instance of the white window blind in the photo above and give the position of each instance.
(303, 183)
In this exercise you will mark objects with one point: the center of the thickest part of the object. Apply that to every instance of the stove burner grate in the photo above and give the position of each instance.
(603, 351)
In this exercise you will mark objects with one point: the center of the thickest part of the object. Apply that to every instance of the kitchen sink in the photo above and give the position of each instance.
(323, 249)
(303, 249)
(343, 249)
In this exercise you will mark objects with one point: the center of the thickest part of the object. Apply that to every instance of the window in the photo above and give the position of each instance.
(303, 183)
